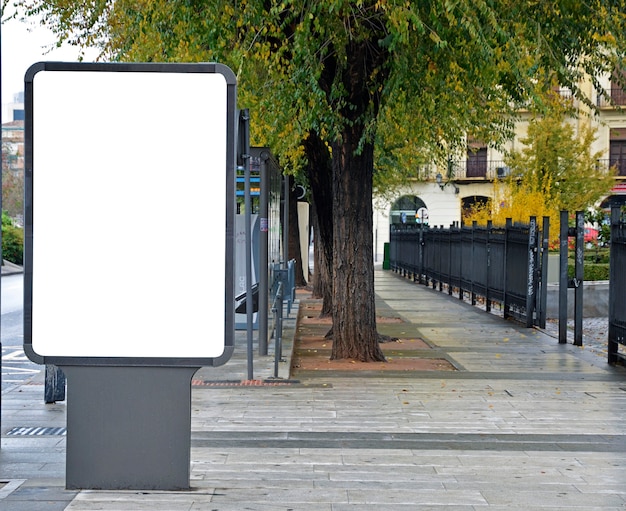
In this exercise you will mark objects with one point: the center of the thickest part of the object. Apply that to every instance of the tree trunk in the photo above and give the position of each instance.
(319, 172)
(354, 310)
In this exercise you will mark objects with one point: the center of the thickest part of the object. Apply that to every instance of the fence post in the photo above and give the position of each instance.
(420, 264)
(263, 255)
(614, 334)
(509, 224)
(543, 295)
(488, 248)
(450, 242)
(473, 266)
(579, 278)
(563, 248)
(530, 277)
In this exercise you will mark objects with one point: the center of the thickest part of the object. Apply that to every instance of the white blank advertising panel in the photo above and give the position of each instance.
(127, 205)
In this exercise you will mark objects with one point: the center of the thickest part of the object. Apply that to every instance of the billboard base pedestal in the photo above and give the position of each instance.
(128, 428)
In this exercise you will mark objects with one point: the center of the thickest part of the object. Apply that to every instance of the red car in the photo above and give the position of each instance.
(591, 234)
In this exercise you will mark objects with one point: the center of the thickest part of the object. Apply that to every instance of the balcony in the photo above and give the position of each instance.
(617, 95)
(470, 170)
(478, 169)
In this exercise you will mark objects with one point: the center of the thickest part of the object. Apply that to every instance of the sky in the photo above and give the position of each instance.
(24, 44)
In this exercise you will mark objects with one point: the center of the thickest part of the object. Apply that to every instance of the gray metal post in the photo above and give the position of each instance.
(530, 278)
(244, 124)
(263, 257)
(543, 296)
(508, 225)
(488, 281)
(473, 263)
(286, 222)
(613, 345)
(563, 248)
(579, 278)
(421, 280)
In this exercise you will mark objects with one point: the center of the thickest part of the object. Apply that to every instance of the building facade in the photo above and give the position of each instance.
(439, 200)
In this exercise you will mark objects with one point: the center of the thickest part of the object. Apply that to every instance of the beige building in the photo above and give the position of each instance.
(439, 201)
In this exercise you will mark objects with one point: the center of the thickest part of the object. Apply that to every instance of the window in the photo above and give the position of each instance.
(618, 87)
(476, 162)
(617, 150)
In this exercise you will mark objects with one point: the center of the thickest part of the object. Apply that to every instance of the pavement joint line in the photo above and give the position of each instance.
(410, 441)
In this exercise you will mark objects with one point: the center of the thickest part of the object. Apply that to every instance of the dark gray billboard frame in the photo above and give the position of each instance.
(129, 417)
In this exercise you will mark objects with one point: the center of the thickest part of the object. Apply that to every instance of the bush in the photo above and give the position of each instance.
(591, 271)
(12, 241)
(597, 255)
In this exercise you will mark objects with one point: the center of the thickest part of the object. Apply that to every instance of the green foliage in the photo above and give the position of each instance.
(445, 68)
(555, 171)
(558, 163)
(591, 271)
(12, 241)
(596, 254)
(411, 76)
(600, 219)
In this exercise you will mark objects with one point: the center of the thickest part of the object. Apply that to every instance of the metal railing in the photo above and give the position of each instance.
(618, 163)
(499, 264)
(609, 98)
(283, 292)
(617, 284)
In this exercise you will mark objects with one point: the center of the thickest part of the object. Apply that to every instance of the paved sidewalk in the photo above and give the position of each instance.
(524, 423)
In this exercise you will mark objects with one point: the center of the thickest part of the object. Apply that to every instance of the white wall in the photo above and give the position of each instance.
(444, 207)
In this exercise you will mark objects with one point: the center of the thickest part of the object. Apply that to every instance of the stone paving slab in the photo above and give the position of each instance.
(523, 424)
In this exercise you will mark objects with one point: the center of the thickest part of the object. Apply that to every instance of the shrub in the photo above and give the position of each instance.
(591, 271)
(12, 241)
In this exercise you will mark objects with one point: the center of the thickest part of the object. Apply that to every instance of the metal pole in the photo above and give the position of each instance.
(278, 337)
(487, 279)
(543, 297)
(530, 282)
(286, 222)
(563, 248)
(244, 124)
(613, 346)
(507, 232)
(421, 253)
(263, 257)
(579, 278)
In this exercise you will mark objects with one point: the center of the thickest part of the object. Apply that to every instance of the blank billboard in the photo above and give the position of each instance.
(129, 211)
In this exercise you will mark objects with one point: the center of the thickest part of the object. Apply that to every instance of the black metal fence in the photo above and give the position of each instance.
(498, 264)
(617, 286)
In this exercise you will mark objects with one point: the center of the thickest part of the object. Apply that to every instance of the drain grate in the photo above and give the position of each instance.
(37, 431)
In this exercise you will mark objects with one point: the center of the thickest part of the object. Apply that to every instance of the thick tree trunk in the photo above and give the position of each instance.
(354, 310)
(319, 172)
(322, 272)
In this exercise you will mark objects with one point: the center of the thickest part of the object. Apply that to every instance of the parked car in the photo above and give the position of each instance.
(591, 234)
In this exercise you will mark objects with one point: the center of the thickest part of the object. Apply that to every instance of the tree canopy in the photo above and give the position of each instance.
(413, 76)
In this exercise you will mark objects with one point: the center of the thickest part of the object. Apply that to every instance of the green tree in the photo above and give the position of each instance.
(334, 68)
(555, 170)
(12, 185)
(558, 164)
(12, 240)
